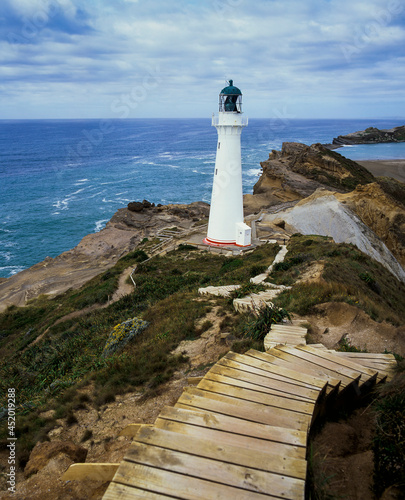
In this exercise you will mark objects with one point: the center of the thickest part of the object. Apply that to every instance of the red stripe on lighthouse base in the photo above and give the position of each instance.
(213, 243)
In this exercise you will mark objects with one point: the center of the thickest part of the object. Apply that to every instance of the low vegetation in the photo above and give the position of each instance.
(49, 360)
(389, 438)
(56, 363)
(348, 276)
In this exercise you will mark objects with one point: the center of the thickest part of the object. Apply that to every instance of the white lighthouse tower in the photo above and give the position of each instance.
(225, 225)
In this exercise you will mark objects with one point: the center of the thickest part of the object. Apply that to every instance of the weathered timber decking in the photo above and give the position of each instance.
(241, 432)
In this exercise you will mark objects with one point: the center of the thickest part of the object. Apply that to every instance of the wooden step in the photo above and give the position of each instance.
(257, 362)
(218, 389)
(230, 430)
(267, 461)
(92, 471)
(176, 485)
(299, 330)
(282, 361)
(185, 460)
(281, 356)
(367, 373)
(385, 364)
(250, 411)
(243, 378)
(117, 491)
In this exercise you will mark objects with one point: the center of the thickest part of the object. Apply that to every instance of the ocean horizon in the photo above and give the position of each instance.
(63, 179)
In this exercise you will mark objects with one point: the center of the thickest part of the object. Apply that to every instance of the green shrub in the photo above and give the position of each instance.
(230, 264)
(186, 247)
(263, 317)
(247, 289)
(257, 269)
(389, 440)
(136, 256)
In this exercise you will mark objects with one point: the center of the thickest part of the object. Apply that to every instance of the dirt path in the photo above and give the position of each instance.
(123, 289)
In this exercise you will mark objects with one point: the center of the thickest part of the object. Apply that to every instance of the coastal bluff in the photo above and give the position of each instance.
(97, 252)
(299, 170)
(291, 177)
(371, 135)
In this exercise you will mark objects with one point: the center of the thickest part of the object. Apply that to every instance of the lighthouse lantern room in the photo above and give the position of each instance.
(226, 224)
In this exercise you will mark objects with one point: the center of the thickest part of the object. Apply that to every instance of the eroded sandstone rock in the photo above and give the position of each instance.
(44, 452)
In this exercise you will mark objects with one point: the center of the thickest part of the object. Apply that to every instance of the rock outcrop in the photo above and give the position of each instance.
(327, 213)
(381, 213)
(298, 170)
(46, 451)
(372, 135)
(138, 206)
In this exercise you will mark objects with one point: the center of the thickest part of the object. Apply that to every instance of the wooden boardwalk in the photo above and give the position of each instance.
(241, 433)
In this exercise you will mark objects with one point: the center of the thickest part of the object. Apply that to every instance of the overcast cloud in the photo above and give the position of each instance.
(155, 58)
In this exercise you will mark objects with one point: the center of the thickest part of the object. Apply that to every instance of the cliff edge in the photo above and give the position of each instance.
(299, 170)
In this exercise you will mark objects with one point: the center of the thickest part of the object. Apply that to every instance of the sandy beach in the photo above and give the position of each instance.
(387, 168)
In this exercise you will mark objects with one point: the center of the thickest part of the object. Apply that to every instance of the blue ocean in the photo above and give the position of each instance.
(63, 179)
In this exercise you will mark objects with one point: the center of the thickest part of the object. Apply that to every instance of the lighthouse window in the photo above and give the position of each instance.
(219, 145)
(216, 171)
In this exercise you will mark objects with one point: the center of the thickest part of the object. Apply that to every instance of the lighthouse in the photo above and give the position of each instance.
(225, 224)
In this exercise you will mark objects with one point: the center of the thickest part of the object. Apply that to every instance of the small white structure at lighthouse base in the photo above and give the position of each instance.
(226, 223)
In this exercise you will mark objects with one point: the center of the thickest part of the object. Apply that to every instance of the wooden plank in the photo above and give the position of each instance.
(375, 365)
(257, 397)
(176, 451)
(181, 486)
(261, 382)
(319, 346)
(281, 338)
(94, 471)
(347, 363)
(132, 430)
(251, 366)
(194, 380)
(367, 355)
(288, 328)
(281, 333)
(236, 426)
(224, 438)
(300, 337)
(213, 377)
(253, 412)
(241, 477)
(321, 359)
(263, 361)
(281, 359)
(117, 491)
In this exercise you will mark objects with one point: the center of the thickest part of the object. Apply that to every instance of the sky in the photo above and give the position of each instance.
(166, 59)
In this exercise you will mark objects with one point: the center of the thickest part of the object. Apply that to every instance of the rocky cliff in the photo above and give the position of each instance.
(381, 213)
(328, 213)
(372, 135)
(298, 170)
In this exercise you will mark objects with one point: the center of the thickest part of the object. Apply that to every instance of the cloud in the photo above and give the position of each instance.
(299, 54)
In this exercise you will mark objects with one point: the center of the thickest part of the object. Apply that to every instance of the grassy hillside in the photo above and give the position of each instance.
(49, 360)
(348, 276)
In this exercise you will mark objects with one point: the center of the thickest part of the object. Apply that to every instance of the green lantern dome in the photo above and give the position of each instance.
(230, 99)
(231, 89)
